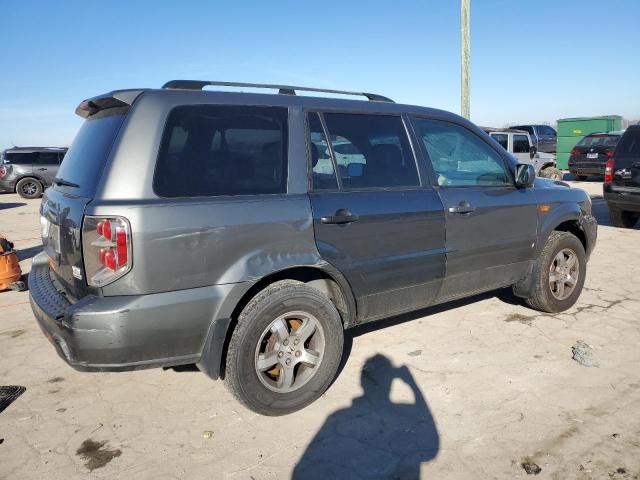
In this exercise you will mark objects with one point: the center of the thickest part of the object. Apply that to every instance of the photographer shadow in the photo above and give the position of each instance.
(374, 437)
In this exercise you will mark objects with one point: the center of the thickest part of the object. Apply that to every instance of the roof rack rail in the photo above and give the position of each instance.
(282, 89)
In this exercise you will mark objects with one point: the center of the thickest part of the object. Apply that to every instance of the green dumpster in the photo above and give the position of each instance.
(572, 130)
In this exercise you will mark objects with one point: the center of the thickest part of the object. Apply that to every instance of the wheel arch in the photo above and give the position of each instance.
(574, 227)
(323, 277)
(30, 175)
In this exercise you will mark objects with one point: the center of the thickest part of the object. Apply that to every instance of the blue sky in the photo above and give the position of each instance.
(531, 61)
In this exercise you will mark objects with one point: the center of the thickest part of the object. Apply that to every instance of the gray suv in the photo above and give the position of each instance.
(29, 170)
(221, 229)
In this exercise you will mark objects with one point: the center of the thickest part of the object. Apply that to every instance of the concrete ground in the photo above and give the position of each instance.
(484, 388)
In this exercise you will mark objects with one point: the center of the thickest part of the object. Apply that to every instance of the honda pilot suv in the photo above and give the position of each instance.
(221, 229)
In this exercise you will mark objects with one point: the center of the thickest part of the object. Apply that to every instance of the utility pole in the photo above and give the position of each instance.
(464, 57)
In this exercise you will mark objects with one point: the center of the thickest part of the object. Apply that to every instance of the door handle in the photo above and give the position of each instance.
(41, 169)
(341, 216)
(462, 207)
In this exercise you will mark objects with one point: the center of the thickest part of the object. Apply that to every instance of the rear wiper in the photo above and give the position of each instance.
(60, 181)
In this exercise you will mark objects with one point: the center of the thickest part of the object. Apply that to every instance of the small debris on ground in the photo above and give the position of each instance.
(517, 317)
(531, 468)
(207, 434)
(583, 354)
(415, 353)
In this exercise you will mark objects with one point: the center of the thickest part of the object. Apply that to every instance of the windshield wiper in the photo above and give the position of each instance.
(60, 181)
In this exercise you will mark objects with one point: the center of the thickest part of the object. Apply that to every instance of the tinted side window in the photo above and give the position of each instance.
(323, 174)
(630, 143)
(520, 144)
(211, 150)
(19, 158)
(459, 157)
(372, 151)
(502, 139)
(47, 158)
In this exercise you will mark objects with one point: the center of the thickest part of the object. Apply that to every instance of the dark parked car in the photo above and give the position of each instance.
(544, 137)
(622, 180)
(218, 228)
(590, 155)
(29, 170)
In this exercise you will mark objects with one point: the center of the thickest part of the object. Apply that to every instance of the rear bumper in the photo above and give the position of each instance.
(129, 332)
(7, 186)
(623, 198)
(579, 169)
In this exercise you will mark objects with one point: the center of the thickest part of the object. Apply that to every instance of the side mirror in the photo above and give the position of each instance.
(532, 151)
(525, 175)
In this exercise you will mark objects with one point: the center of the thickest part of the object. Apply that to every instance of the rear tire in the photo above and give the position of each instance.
(29, 188)
(562, 258)
(285, 350)
(622, 219)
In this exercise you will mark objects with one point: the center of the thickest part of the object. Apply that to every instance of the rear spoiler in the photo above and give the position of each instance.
(115, 99)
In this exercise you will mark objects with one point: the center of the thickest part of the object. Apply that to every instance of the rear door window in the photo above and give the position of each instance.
(502, 139)
(371, 151)
(322, 171)
(520, 143)
(47, 158)
(212, 150)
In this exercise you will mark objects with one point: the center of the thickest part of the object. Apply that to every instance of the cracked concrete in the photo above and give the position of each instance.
(494, 386)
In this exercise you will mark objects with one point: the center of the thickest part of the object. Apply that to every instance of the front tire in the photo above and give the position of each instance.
(559, 273)
(622, 219)
(29, 188)
(285, 350)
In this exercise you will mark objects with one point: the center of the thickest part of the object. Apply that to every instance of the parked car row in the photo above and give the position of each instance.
(27, 171)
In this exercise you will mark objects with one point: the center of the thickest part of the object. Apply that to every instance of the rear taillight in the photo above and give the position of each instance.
(3, 171)
(106, 248)
(608, 169)
(575, 153)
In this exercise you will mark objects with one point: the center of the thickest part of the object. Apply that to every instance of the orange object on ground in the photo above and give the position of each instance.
(10, 272)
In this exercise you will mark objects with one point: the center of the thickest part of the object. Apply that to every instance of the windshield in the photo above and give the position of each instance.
(599, 140)
(85, 160)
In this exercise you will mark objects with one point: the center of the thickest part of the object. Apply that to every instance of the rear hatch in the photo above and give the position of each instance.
(63, 204)
(593, 151)
(626, 167)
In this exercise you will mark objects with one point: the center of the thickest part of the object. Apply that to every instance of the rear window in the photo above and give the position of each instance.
(18, 158)
(599, 140)
(85, 159)
(213, 150)
(630, 143)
